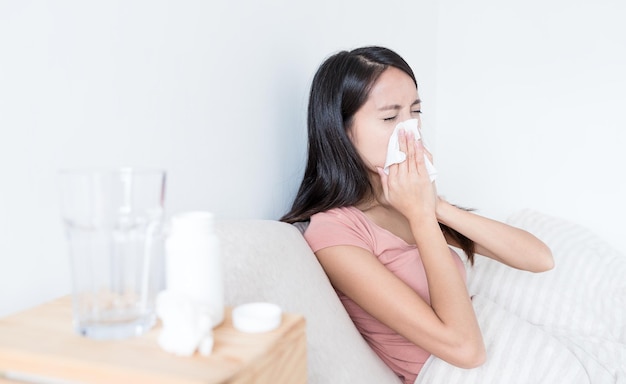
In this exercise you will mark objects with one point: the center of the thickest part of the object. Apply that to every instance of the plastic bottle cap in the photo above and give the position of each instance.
(257, 317)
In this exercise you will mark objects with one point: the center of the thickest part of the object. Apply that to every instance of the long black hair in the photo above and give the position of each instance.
(335, 176)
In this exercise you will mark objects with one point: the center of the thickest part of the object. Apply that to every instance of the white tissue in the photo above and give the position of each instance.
(186, 326)
(395, 156)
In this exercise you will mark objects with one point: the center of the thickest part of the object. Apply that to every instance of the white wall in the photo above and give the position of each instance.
(530, 99)
(523, 106)
(214, 92)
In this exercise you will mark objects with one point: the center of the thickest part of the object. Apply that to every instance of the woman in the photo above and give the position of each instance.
(383, 239)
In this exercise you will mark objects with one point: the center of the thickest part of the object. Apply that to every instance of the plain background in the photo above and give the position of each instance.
(523, 107)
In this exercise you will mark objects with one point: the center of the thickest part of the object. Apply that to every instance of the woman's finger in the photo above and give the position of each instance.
(415, 155)
(402, 141)
(410, 148)
(419, 154)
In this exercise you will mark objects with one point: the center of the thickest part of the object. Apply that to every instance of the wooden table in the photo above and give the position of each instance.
(41, 342)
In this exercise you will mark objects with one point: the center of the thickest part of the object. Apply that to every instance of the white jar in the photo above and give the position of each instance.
(193, 263)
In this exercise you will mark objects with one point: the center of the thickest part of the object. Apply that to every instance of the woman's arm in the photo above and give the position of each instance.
(447, 327)
(509, 245)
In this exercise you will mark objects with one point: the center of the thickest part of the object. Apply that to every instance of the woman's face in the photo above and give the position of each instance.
(392, 100)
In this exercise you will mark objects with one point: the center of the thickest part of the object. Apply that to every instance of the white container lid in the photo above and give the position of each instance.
(257, 317)
(193, 222)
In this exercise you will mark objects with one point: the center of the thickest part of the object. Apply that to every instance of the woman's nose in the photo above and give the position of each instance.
(404, 116)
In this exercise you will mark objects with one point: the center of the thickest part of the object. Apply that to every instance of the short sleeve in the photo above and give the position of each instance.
(339, 226)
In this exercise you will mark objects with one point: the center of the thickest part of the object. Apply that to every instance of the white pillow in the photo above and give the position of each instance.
(517, 353)
(585, 292)
(581, 302)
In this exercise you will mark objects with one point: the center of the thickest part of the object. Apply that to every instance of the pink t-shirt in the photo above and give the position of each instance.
(350, 226)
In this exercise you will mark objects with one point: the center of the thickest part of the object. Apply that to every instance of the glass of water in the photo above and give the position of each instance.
(113, 220)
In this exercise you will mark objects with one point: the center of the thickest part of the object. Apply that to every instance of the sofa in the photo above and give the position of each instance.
(567, 325)
(265, 260)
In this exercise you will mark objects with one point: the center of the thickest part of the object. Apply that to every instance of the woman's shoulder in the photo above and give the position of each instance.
(338, 225)
(349, 212)
(350, 217)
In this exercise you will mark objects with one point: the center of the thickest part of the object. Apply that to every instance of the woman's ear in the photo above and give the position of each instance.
(348, 129)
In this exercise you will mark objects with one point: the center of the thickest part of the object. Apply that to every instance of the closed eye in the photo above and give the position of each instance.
(417, 111)
(390, 118)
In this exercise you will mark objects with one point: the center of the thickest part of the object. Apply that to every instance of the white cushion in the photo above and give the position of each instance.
(267, 260)
(567, 325)
(517, 353)
(581, 294)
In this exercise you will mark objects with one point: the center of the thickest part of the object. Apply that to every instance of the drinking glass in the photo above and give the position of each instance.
(113, 220)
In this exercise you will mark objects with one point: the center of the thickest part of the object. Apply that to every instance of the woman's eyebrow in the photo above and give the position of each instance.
(397, 106)
(389, 107)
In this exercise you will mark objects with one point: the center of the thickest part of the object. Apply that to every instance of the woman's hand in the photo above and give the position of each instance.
(408, 187)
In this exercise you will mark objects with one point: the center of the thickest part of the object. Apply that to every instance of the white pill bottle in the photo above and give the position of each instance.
(193, 263)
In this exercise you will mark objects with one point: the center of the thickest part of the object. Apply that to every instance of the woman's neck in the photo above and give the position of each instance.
(376, 197)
